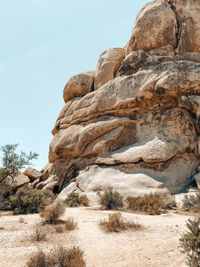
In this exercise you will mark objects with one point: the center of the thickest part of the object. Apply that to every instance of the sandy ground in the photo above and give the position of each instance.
(156, 245)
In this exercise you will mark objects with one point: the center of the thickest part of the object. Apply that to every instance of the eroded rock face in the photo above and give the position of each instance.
(138, 130)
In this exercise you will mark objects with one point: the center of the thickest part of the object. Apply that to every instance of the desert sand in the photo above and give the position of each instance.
(156, 245)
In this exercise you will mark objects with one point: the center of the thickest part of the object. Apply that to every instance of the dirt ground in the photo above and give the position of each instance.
(156, 245)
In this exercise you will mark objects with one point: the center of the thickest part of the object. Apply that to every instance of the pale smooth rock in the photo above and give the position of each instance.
(97, 179)
(72, 187)
(107, 66)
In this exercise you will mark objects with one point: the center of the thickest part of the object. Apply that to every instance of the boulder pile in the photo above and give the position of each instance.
(134, 123)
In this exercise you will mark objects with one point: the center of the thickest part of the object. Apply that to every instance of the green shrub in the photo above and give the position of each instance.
(192, 203)
(52, 213)
(5, 192)
(150, 204)
(116, 223)
(190, 242)
(28, 200)
(74, 200)
(59, 257)
(110, 199)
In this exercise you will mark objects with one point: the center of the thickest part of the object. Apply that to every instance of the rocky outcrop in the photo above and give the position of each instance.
(18, 181)
(32, 174)
(134, 123)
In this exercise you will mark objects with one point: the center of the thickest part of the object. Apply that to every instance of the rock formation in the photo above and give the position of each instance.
(134, 123)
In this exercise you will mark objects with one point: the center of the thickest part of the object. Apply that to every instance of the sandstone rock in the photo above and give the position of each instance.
(19, 180)
(95, 179)
(108, 65)
(139, 132)
(79, 85)
(188, 21)
(197, 179)
(155, 26)
(32, 173)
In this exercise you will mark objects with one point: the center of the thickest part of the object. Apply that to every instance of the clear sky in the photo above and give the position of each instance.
(43, 43)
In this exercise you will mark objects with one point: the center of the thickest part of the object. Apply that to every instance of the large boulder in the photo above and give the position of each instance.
(167, 22)
(155, 26)
(78, 85)
(32, 173)
(108, 65)
(139, 132)
(19, 180)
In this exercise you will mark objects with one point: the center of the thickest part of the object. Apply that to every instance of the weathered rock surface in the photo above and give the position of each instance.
(108, 66)
(79, 85)
(19, 180)
(32, 174)
(138, 130)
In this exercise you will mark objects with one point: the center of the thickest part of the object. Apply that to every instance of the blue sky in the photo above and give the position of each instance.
(43, 43)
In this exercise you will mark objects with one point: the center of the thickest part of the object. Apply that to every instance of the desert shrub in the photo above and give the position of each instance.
(192, 203)
(5, 192)
(59, 228)
(28, 200)
(39, 235)
(70, 224)
(84, 201)
(21, 220)
(52, 213)
(37, 260)
(74, 200)
(117, 223)
(190, 242)
(150, 204)
(59, 257)
(110, 199)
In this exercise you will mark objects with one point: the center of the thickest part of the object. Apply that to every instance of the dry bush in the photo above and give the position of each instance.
(84, 201)
(70, 224)
(59, 228)
(190, 242)
(192, 203)
(37, 260)
(21, 220)
(52, 213)
(28, 200)
(39, 235)
(150, 204)
(59, 257)
(110, 199)
(74, 200)
(116, 223)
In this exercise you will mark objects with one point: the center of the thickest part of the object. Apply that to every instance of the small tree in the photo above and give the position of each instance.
(190, 242)
(12, 162)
